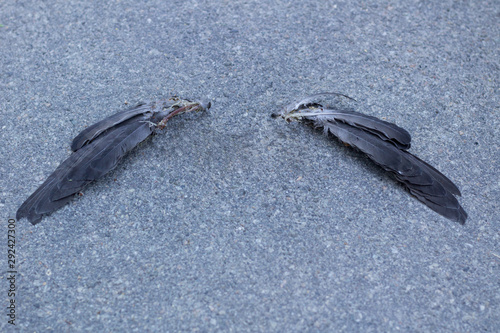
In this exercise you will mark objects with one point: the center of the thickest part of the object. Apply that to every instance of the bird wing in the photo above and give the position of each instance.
(425, 182)
(90, 133)
(85, 165)
(98, 149)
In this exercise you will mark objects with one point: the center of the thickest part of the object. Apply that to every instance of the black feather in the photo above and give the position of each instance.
(101, 156)
(97, 150)
(386, 144)
(96, 129)
(383, 129)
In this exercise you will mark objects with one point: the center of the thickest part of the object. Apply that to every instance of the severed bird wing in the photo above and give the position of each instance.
(422, 180)
(105, 145)
(386, 144)
(87, 164)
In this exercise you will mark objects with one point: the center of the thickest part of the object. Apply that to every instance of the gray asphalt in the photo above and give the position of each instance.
(232, 220)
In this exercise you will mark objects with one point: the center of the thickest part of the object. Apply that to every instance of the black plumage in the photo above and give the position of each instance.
(386, 144)
(98, 149)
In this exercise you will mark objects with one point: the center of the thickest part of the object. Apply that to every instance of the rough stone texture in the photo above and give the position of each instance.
(231, 220)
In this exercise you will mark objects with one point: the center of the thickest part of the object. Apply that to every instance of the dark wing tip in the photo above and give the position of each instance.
(77, 143)
(32, 217)
(35, 219)
(462, 216)
(19, 214)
